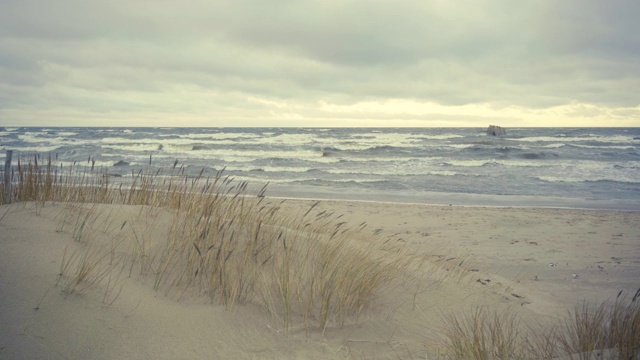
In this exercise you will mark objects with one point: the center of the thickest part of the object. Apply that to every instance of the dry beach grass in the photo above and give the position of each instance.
(609, 330)
(334, 284)
(217, 242)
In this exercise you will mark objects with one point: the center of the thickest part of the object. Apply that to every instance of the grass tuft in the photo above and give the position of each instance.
(609, 330)
(483, 334)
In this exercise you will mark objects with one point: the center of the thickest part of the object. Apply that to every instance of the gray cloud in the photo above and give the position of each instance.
(161, 56)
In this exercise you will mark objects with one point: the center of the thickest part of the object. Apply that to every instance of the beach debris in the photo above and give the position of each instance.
(484, 281)
(600, 268)
(495, 130)
(553, 264)
(517, 296)
(575, 276)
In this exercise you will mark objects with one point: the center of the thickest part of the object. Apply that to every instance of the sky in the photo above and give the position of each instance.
(321, 63)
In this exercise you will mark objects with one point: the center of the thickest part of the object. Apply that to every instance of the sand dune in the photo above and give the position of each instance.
(541, 262)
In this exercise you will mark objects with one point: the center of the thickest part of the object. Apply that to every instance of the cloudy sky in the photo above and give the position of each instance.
(319, 63)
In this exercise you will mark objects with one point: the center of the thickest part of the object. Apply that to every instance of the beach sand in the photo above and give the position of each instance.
(539, 262)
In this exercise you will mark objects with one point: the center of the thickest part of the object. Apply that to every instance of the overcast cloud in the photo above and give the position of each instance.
(319, 63)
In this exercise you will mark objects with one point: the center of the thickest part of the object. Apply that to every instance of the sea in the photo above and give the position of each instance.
(586, 168)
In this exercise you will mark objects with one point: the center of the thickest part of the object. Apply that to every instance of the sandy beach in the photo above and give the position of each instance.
(538, 262)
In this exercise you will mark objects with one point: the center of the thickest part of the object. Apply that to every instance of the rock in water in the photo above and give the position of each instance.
(495, 130)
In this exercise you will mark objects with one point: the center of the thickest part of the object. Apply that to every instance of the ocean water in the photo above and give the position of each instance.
(550, 167)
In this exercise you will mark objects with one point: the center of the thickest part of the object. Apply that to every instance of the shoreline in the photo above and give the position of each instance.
(613, 208)
(450, 199)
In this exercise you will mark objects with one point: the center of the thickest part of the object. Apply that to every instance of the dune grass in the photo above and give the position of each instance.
(217, 242)
(609, 325)
(482, 334)
(608, 330)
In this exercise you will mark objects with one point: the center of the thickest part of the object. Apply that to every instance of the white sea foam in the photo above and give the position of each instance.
(110, 141)
(619, 147)
(133, 147)
(30, 150)
(35, 138)
(470, 163)
(457, 146)
(583, 171)
(436, 137)
(243, 155)
(365, 141)
(121, 140)
(553, 145)
(31, 137)
(268, 169)
(525, 163)
(220, 136)
(176, 147)
(287, 169)
(573, 179)
(589, 137)
(443, 173)
(401, 170)
(287, 139)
